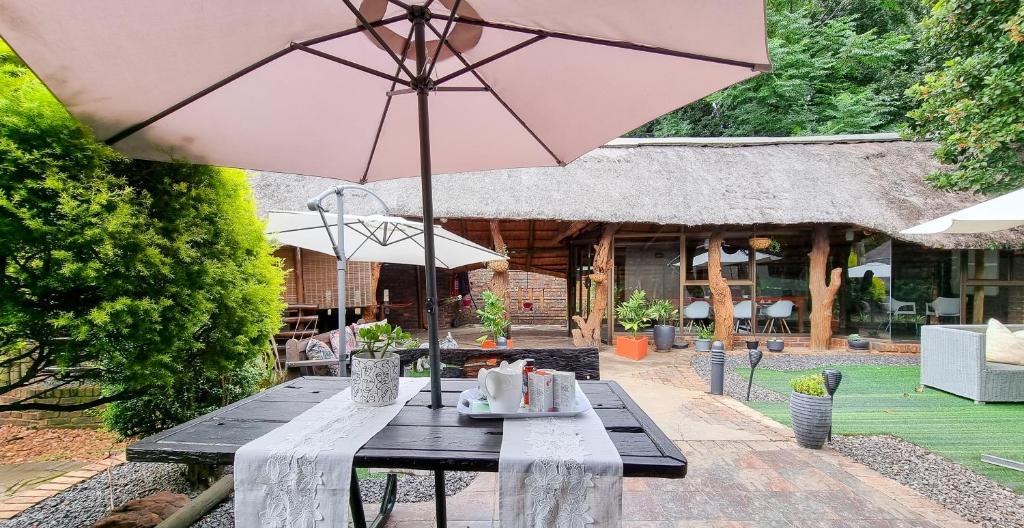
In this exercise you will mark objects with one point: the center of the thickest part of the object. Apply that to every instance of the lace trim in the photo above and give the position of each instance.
(291, 478)
(557, 482)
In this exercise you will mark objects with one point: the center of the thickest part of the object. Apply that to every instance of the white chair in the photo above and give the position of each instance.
(905, 307)
(743, 311)
(696, 311)
(945, 307)
(780, 310)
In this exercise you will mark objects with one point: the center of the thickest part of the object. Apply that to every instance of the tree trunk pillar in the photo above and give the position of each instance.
(822, 294)
(371, 309)
(721, 294)
(589, 332)
(498, 284)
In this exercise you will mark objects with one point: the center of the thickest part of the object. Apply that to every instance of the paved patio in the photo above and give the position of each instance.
(745, 470)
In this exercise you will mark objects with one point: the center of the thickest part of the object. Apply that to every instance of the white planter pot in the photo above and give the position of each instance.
(375, 381)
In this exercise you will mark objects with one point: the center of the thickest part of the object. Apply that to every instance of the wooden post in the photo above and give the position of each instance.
(721, 294)
(371, 309)
(589, 332)
(978, 311)
(499, 280)
(300, 280)
(822, 295)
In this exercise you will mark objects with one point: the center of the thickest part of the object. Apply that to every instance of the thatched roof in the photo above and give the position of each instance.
(873, 181)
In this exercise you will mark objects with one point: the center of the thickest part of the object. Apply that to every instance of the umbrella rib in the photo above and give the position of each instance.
(235, 76)
(350, 64)
(443, 37)
(501, 101)
(384, 113)
(616, 44)
(376, 36)
(490, 59)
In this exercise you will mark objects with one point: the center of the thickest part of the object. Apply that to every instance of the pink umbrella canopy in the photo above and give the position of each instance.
(331, 88)
(304, 87)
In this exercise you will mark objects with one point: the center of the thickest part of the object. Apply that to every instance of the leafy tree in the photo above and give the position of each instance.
(972, 103)
(837, 69)
(151, 279)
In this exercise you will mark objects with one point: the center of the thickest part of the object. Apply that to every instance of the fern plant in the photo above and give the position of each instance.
(634, 313)
(663, 311)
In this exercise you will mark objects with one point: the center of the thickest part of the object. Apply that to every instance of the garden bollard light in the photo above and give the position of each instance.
(717, 367)
(832, 379)
(754, 356)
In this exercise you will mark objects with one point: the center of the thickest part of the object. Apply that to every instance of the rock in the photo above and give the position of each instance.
(146, 512)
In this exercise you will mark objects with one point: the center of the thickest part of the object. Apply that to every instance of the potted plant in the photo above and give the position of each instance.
(776, 344)
(634, 315)
(494, 319)
(810, 410)
(664, 313)
(705, 333)
(752, 344)
(856, 342)
(375, 368)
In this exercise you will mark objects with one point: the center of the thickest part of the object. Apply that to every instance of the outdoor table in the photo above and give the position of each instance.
(417, 438)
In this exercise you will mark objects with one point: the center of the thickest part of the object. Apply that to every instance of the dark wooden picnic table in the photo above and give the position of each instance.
(417, 438)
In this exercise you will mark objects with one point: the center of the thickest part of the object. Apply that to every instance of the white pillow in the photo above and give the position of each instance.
(1002, 345)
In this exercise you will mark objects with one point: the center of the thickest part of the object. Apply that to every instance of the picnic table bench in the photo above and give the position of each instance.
(417, 438)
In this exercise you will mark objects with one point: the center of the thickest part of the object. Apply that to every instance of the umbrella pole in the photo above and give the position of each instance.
(419, 15)
(342, 335)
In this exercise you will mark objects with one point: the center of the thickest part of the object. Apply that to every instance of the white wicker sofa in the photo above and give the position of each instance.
(953, 360)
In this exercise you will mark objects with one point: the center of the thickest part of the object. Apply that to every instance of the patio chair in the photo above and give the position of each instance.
(696, 311)
(896, 307)
(948, 307)
(779, 311)
(743, 311)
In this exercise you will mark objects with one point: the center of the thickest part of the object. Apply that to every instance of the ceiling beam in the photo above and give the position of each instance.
(571, 230)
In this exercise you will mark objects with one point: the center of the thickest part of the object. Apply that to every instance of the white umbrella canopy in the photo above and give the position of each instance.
(376, 239)
(877, 269)
(1004, 212)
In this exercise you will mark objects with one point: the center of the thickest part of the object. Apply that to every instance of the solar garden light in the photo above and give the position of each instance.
(754, 355)
(717, 367)
(832, 379)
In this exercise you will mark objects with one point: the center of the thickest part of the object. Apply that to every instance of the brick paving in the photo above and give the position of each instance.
(30, 495)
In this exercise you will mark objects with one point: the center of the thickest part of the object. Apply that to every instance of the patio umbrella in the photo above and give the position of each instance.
(376, 239)
(1004, 212)
(877, 269)
(331, 88)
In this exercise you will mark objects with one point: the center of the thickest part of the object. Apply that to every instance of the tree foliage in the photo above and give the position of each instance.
(152, 279)
(973, 102)
(840, 66)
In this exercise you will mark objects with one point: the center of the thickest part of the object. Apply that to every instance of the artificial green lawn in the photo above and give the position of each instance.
(876, 400)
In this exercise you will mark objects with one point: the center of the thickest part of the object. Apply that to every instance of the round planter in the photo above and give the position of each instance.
(859, 344)
(776, 346)
(812, 419)
(752, 344)
(375, 381)
(664, 337)
(702, 345)
(501, 342)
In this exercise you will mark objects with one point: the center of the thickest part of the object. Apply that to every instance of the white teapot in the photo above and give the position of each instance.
(503, 386)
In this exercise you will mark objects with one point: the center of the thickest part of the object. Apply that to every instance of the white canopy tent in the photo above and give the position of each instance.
(1004, 212)
(376, 239)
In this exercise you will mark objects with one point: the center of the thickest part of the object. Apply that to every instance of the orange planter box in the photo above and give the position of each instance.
(489, 343)
(634, 348)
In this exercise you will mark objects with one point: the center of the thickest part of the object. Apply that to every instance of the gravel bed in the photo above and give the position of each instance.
(974, 497)
(736, 386)
(81, 505)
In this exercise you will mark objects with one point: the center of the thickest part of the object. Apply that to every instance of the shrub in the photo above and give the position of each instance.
(633, 313)
(663, 311)
(811, 384)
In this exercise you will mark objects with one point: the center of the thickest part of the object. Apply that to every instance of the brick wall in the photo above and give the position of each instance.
(89, 418)
(548, 295)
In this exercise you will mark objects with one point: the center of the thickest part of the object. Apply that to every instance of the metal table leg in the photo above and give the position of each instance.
(440, 506)
(355, 501)
(387, 502)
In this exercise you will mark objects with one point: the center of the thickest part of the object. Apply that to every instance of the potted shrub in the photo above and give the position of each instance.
(634, 315)
(375, 368)
(705, 333)
(856, 342)
(776, 344)
(494, 319)
(664, 313)
(810, 410)
(752, 344)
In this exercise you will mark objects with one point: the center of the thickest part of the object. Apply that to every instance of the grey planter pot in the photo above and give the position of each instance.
(501, 342)
(812, 419)
(375, 381)
(702, 345)
(862, 344)
(664, 337)
(776, 346)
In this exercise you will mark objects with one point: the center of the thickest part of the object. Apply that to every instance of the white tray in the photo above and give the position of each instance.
(470, 395)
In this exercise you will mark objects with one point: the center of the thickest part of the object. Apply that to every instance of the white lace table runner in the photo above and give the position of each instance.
(298, 475)
(559, 473)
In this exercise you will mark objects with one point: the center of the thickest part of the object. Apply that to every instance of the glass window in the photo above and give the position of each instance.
(1004, 303)
(735, 259)
(921, 277)
(651, 265)
(782, 276)
(869, 272)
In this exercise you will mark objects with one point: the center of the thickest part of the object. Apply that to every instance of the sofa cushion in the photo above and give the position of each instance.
(1003, 345)
(316, 349)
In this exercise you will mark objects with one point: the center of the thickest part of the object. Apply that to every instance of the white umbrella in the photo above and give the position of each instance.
(376, 239)
(736, 257)
(877, 269)
(1004, 212)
